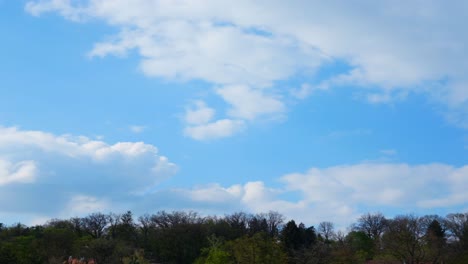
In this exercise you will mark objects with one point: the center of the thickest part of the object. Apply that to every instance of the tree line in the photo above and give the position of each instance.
(187, 237)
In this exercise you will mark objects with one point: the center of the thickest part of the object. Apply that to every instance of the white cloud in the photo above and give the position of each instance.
(392, 49)
(215, 193)
(304, 91)
(21, 172)
(248, 103)
(338, 194)
(64, 8)
(80, 205)
(218, 129)
(48, 174)
(378, 184)
(71, 179)
(137, 129)
(199, 114)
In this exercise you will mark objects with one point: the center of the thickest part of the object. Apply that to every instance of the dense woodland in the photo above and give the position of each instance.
(187, 237)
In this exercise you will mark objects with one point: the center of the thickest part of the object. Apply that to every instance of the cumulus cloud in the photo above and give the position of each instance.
(199, 113)
(21, 172)
(336, 193)
(214, 130)
(391, 49)
(248, 103)
(176, 43)
(49, 174)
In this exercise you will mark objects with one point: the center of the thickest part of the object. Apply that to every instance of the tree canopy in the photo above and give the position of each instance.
(188, 237)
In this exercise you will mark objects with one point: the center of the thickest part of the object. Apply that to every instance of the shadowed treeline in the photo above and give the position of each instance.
(187, 237)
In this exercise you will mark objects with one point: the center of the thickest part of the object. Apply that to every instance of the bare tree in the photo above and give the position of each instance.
(372, 224)
(165, 220)
(95, 224)
(457, 225)
(327, 230)
(145, 225)
(238, 220)
(404, 238)
(78, 224)
(274, 220)
(113, 220)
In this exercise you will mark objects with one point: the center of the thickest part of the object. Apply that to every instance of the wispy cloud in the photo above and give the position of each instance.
(214, 130)
(199, 113)
(137, 129)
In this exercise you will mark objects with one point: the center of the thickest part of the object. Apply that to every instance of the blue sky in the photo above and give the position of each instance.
(319, 111)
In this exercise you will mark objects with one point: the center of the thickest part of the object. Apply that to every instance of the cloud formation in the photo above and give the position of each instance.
(214, 130)
(20, 172)
(248, 103)
(63, 176)
(45, 173)
(339, 193)
(137, 129)
(199, 113)
(391, 49)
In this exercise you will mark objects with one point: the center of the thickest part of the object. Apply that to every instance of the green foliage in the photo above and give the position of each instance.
(24, 250)
(136, 258)
(257, 249)
(214, 256)
(57, 243)
(215, 253)
(180, 237)
(361, 244)
(108, 251)
(7, 254)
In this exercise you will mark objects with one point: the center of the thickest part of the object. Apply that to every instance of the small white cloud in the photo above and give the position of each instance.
(199, 114)
(63, 7)
(248, 103)
(303, 92)
(137, 129)
(215, 193)
(80, 205)
(41, 220)
(307, 89)
(218, 129)
(20, 172)
(385, 97)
